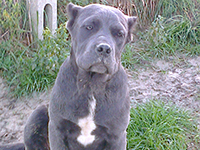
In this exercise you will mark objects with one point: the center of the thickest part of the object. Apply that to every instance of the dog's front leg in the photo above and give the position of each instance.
(55, 139)
(118, 143)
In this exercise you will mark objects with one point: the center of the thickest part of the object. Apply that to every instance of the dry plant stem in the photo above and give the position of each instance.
(4, 34)
(28, 39)
(30, 23)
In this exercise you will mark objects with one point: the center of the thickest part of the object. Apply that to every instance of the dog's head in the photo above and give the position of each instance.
(99, 34)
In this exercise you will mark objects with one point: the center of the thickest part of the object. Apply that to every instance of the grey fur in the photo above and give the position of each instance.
(92, 71)
(36, 130)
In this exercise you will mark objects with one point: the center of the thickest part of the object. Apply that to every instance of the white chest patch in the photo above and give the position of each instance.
(87, 125)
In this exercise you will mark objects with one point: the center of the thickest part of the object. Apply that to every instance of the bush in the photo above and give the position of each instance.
(36, 69)
(13, 21)
(166, 37)
(29, 64)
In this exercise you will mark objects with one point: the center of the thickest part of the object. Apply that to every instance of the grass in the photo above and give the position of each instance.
(165, 28)
(158, 126)
(164, 38)
(34, 69)
(27, 63)
(148, 10)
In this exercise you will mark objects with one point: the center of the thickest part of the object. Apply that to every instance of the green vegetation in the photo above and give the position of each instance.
(165, 28)
(158, 126)
(28, 64)
(34, 69)
(165, 37)
(170, 36)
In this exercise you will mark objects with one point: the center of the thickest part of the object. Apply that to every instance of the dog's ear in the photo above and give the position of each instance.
(131, 24)
(72, 11)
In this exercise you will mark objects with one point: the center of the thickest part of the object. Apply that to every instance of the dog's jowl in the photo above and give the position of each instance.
(89, 108)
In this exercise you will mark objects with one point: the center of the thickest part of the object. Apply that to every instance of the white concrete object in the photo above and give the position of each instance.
(43, 13)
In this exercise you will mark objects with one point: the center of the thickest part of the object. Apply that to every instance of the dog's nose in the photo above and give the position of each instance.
(103, 49)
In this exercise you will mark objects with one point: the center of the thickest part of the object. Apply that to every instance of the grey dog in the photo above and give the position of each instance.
(89, 107)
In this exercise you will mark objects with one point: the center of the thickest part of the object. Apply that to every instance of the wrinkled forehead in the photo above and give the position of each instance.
(108, 15)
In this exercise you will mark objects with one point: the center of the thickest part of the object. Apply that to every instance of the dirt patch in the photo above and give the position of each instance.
(179, 83)
(171, 81)
(15, 112)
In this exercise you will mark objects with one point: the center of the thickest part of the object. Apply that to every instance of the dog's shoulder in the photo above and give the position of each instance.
(66, 76)
(119, 78)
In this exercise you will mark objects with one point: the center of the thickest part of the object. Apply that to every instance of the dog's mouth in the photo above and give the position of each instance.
(99, 68)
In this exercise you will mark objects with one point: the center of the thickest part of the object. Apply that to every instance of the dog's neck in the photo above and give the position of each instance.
(91, 80)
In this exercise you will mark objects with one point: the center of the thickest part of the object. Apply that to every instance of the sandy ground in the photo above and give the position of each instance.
(172, 81)
(15, 112)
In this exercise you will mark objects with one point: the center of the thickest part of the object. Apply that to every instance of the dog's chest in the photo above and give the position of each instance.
(87, 125)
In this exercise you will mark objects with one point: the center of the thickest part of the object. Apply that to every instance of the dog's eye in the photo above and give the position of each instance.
(89, 27)
(120, 34)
